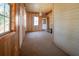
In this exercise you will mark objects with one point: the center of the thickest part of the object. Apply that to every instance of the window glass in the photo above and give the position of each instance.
(7, 10)
(4, 17)
(7, 23)
(1, 24)
(1, 8)
(35, 20)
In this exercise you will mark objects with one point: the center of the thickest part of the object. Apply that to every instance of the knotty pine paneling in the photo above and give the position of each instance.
(30, 26)
(7, 44)
(13, 17)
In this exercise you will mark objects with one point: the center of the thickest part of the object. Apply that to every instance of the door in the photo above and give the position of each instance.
(44, 24)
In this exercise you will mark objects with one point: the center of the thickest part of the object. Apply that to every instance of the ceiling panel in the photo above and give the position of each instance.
(38, 7)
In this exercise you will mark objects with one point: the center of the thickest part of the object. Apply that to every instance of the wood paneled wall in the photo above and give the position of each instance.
(40, 24)
(9, 43)
(30, 27)
(8, 46)
(13, 16)
(50, 19)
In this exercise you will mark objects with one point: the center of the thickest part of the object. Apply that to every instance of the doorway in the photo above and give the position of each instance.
(44, 24)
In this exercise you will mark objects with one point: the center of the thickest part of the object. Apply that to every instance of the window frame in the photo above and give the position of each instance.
(1, 34)
(35, 22)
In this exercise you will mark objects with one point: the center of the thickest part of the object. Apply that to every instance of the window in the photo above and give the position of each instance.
(4, 18)
(35, 20)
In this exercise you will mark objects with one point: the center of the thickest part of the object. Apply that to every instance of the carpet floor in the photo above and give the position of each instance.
(40, 44)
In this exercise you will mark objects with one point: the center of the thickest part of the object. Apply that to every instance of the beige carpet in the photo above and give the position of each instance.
(40, 44)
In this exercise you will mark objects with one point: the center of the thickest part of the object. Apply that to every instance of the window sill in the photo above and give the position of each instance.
(3, 34)
(6, 34)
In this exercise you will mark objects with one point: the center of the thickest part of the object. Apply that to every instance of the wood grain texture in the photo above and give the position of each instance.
(38, 7)
(30, 26)
(8, 44)
(13, 16)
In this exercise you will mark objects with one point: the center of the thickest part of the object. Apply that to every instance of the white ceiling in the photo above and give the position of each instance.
(38, 7)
